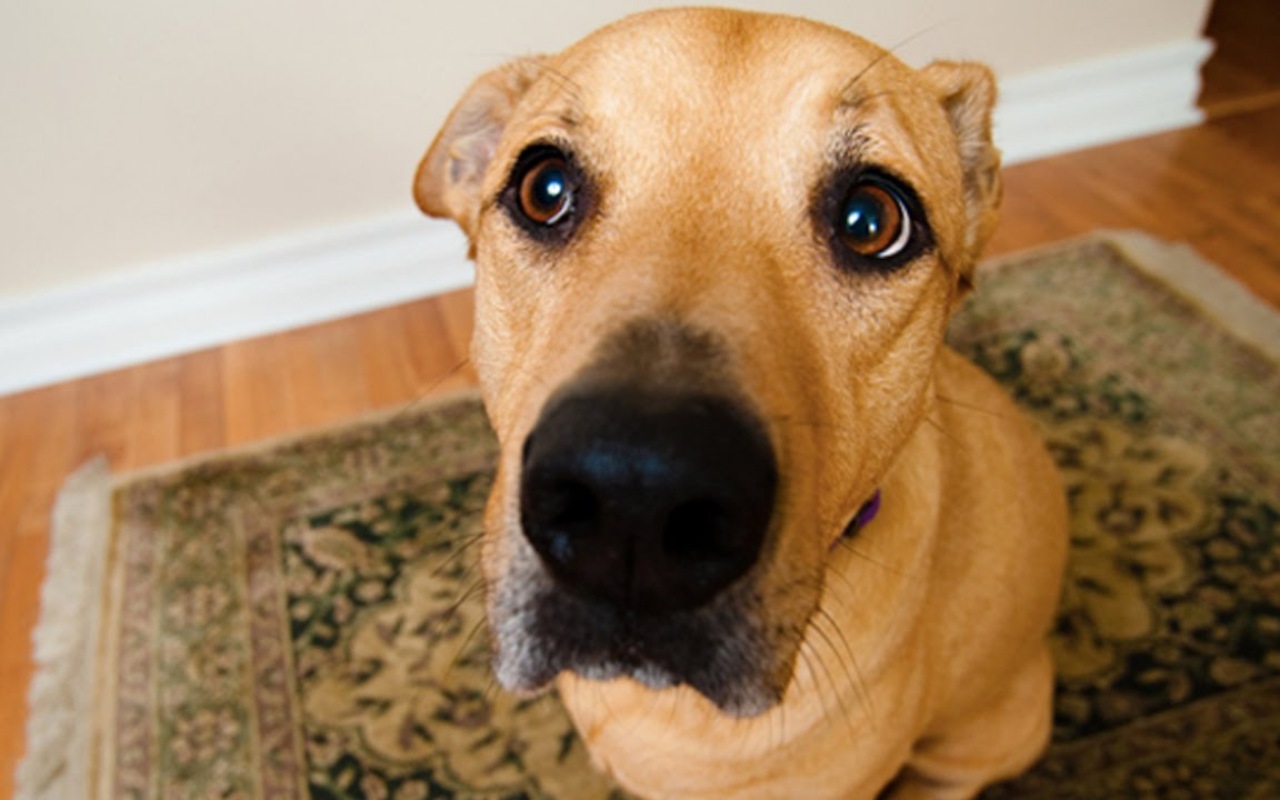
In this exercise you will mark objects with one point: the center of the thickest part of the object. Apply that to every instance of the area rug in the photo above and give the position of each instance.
(304, 618)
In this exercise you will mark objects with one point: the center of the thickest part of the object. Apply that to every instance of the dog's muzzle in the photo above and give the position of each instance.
(647, 501)
(647, 515)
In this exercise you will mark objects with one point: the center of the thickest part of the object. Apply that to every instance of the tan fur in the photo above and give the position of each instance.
(919, 648)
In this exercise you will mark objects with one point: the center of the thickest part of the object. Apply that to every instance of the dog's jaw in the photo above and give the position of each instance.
(719, 650)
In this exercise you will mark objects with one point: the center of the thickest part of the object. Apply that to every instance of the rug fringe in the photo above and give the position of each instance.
(60, 719)
(1224, 299)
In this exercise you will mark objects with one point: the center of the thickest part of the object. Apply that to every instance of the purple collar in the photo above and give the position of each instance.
(864, 516)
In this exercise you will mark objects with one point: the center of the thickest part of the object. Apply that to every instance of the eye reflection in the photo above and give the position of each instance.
(546, 194)
(874, 222)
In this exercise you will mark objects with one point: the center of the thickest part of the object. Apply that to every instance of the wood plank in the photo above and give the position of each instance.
(201, 426)
(104, 416)
(257, 401)
(300, 374)
(10, 485)
(20, 599)
(38, 453)
(457, 309)
(154, 437)
(342, 389)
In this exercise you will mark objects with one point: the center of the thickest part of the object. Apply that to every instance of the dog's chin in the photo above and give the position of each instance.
(541, 631)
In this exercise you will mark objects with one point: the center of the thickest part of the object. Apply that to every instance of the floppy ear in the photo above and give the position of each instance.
(449, 177)
(967, 93)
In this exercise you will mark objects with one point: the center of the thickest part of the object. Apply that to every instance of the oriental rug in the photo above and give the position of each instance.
(304, 618)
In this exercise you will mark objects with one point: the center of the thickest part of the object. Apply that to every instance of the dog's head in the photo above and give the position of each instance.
(715, 255)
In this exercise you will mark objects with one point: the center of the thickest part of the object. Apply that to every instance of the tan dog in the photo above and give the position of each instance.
(716, 253)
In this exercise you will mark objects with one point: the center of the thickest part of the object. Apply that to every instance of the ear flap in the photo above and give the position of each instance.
(449, 177)
(967, 93)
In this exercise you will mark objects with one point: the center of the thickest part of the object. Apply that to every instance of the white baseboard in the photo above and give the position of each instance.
(209, 299)
(184, 305)
(1100, 101)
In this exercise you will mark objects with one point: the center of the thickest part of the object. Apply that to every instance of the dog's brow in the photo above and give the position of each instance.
(850, 145)
(853, 94)
(855, 98)
(573, 114)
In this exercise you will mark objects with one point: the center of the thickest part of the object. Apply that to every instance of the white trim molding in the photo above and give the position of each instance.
(1100, 101)
(186, 304)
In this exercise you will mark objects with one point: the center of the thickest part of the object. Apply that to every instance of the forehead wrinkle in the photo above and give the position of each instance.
(866, 97)
(570, 93)
(550, 116)
(555, 123)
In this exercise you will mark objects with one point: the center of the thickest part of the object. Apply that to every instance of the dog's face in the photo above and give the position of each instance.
(715, 256)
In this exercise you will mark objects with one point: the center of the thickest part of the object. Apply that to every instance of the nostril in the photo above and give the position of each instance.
(570, 505)
(559, 514)
(698, 529)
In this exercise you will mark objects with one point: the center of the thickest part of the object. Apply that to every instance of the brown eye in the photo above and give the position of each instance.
(873, 220)
(545, 191)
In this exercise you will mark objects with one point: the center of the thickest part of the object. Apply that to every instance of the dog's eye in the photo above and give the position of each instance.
(873, 219)
(545, 189)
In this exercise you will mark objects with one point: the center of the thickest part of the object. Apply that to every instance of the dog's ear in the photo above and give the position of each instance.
(967, 92)
(449, 177)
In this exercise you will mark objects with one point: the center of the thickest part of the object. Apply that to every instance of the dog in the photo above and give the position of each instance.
(767, 535)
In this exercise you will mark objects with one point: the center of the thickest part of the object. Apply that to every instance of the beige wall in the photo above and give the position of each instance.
(139, 130)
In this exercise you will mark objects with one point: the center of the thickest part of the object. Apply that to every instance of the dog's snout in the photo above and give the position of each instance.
(650, 502)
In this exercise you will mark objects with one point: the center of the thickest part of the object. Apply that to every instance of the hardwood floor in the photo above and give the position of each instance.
(1216, 187)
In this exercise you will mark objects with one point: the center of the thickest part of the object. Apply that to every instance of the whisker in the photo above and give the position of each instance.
(941, 429)
(460, 547)
(970, 406)
(835, 688)
(491, 688)
(852, 677)
(426, 395)
(815, 688)
(860, 688)
(892, 50)
(851, 545)
(477, 584)
(462, 649)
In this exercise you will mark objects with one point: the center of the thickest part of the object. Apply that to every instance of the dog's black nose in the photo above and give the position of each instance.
(650, 502)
